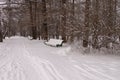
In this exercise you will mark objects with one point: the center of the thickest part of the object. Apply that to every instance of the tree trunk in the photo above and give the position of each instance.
(63, 20)
(96, 24)
(44, 24)
(33, 20)
(1, 35)
(87, 16)
(73, 13)
(9, 18)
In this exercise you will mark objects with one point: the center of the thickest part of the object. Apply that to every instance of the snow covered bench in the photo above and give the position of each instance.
(54, 42)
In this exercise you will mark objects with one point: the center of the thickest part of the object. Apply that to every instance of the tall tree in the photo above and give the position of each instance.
(63, 20)
(95, 23)
(73, 13)
(32, 8)
(1, 35)
(9, 17)
(87, 21)
(44, 29)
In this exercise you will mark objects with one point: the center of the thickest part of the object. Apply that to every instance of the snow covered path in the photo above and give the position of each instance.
(22, 59)
(18, 64)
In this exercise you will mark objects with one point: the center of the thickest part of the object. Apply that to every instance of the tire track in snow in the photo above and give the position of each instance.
(18, 64)
(92, 73)
(86, 73)
(99, 73)
(11, 71)
(9, 68)
(44, 66)
(51, 70)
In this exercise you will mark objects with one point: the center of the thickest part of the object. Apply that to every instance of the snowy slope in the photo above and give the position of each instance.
(23, 59)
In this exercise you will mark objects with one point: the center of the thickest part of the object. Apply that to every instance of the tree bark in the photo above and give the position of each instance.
(63, 20)
(44, 24)
(95, 24)
(87, 16)
(73, 13)
(33, 19)
(1, 35)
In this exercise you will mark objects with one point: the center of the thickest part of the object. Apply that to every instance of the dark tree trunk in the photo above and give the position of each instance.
(44, 24)
(1, 36)
(73, 13)
(95, 24)
(57, 32)
(33, 19)
(87, 16)
(9, 18)
(63, 26)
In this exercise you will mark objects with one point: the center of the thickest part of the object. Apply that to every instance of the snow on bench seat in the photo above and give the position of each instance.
(54, 42)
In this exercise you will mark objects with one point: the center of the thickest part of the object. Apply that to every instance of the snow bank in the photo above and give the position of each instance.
(77, 48)
(64, 51)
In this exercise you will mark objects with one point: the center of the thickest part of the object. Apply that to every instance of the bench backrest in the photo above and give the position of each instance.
(55, 41)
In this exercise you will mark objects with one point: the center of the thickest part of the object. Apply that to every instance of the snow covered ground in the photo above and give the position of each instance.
(23, 59)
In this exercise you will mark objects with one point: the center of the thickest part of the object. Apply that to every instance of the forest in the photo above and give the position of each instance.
(59, 39)
(95, 23)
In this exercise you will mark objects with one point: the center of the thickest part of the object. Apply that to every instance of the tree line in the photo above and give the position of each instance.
(94, 22)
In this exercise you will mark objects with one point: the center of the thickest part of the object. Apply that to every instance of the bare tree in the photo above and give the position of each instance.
(44, 28)
(32, 7)
(87, 18)
(63, 19)
(1, 35)
(95, 23)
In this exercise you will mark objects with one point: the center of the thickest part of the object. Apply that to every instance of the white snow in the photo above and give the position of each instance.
(54, 42)
(24, 59)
